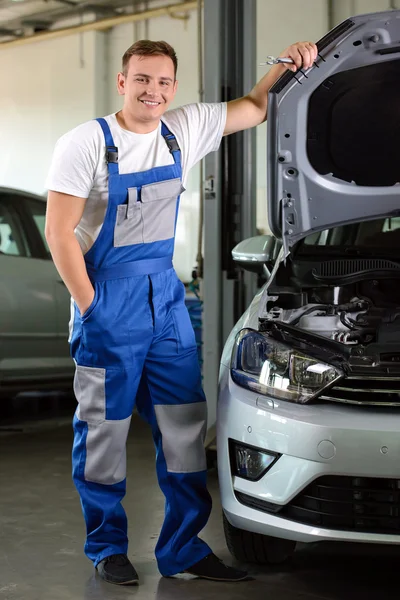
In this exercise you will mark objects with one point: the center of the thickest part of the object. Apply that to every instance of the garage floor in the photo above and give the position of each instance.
(41, 536)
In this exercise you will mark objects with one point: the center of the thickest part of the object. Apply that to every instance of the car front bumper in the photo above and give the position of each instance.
(314, 441)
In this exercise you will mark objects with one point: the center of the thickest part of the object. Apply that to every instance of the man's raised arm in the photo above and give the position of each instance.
(251, 110)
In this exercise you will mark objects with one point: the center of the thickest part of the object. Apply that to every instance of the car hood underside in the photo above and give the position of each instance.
(333, 131)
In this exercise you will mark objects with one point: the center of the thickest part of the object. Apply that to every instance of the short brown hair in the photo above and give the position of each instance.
(149, 48)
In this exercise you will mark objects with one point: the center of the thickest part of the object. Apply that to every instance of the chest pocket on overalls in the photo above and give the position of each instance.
(149, 215)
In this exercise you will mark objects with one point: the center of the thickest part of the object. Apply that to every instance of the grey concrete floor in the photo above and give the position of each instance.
(42, 534)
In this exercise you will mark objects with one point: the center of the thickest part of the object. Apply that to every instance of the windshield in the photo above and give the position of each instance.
(378, 234)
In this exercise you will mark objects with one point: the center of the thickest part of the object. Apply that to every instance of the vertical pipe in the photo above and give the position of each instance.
(199, 257)
(249, 201)
(211, 284)
(146, 23)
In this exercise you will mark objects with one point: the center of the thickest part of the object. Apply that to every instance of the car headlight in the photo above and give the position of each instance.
(268, 367)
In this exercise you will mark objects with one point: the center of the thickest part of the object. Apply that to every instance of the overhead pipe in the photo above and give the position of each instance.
(103, 24)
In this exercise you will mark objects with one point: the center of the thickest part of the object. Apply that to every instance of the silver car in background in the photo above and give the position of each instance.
(34, 303)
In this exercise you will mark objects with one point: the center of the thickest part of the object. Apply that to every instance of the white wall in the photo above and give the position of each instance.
(343, 9)
(46, 88)
(280, 23)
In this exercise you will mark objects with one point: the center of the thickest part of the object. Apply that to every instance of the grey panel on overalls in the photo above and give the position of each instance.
(106, 439)
(183, 428)
(152, 219)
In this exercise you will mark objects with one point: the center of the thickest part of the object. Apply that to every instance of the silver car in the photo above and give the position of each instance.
(309, 403)
(34, 303)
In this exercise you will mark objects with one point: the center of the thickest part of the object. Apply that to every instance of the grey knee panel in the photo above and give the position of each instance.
(183, 429)
(105, 440)
(106, 451)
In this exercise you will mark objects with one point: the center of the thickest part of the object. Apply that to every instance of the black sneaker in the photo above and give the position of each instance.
(118, 569)
(211, 567)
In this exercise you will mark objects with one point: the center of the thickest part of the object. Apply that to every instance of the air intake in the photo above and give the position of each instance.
(353, 267)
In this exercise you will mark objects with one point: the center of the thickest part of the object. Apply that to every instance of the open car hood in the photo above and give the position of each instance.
(334, 132)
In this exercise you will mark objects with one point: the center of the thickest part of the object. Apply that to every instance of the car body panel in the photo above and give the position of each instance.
(354, 442)
(300, 433)
(34, 303)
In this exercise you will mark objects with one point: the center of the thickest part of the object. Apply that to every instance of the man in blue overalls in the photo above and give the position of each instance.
(114, 192)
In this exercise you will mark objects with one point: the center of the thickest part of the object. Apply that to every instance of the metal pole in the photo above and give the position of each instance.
(249, 199)
(211, 285)
(199, 257)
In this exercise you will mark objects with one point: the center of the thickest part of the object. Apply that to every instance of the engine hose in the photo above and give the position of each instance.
(353, 335)
(357, 323)
(368, 301)
(343, 320)
(358, 335)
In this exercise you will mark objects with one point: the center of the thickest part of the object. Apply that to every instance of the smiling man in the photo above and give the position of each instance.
(114, 190)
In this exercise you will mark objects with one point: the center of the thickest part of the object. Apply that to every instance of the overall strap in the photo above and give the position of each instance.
(171, 142)
(111, 149)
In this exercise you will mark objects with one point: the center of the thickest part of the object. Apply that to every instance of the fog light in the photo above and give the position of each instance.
(249, 462)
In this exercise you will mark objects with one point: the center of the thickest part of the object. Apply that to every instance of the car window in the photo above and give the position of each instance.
(376, 233)
(37, 210)
(12, 237)
(391, 224)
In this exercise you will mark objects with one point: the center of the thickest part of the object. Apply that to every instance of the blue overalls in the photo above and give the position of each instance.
(135, 345)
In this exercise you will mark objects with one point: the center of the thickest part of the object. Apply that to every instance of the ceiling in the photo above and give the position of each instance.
(26, 17)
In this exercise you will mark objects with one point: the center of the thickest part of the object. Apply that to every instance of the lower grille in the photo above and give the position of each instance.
(369, 505)
(376, 391)
(253, 502)
(350, 504)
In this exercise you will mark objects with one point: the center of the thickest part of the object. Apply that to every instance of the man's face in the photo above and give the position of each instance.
(149, 86)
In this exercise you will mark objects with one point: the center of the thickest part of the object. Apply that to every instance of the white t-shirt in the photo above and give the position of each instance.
(79, 167)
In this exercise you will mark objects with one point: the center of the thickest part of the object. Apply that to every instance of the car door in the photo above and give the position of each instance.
(28, 306)
(35, 215)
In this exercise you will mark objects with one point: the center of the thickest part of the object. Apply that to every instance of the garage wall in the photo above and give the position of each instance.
(279, 24)
(343, 9)
(46, 89)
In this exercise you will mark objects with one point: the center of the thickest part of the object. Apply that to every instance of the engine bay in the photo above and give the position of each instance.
(356, 309)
